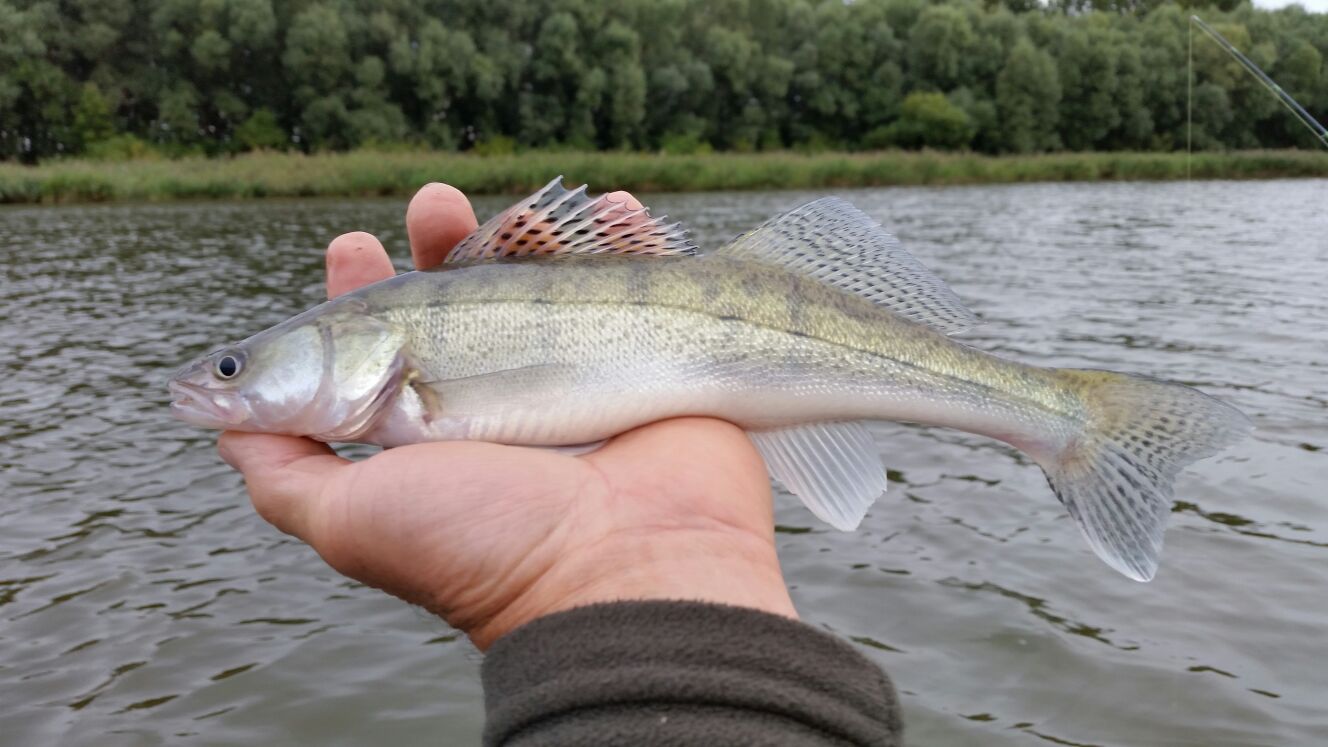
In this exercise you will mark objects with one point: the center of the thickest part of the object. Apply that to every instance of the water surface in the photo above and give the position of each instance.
(142, 601)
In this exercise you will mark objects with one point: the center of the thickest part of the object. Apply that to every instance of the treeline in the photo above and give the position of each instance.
(115, 78)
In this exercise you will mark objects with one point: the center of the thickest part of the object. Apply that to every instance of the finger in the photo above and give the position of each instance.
(625, 198)
(438, 217)
(353, 260)
(693, 440)
(285, 476)
(721, 458)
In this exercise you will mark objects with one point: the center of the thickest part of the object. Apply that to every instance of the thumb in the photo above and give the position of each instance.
(285, 475)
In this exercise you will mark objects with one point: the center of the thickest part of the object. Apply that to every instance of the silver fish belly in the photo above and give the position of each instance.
(576, 350)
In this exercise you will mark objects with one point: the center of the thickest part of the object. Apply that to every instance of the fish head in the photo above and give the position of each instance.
(326, 375)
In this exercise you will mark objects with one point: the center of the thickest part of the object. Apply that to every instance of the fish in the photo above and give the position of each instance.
(568, 318)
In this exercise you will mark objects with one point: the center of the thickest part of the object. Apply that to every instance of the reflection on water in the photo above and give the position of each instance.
(142, 601)
(1039, 608)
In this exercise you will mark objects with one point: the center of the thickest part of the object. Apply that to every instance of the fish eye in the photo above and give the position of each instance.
(229, 365)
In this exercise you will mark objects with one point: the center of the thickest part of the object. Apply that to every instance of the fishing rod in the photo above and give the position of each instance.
(1320, 133)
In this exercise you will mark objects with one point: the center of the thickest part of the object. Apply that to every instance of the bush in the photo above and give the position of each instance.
(926, 120)
(92, 116)
(495, 145)
(121, 148)
(683, 145)
(817, 142)
(261, 132)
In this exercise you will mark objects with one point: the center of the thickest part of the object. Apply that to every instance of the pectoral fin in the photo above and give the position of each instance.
(833, 467)
(510, 388)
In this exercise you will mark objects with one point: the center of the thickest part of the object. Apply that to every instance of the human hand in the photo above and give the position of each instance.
(490, 537)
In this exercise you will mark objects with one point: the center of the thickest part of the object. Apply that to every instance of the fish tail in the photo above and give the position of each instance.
(1115, 476)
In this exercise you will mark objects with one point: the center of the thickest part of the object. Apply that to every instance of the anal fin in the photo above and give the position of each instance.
(833, 467)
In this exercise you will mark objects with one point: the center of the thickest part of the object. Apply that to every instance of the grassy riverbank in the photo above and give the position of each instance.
(363, 173)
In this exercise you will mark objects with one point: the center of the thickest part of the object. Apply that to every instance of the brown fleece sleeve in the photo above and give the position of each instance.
(682, 673)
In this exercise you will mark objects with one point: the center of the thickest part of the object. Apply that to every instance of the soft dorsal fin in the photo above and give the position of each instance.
(833, 467)
(559, 221)
(836, 243)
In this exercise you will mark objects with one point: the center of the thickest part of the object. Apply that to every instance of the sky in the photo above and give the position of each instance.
(1317, 6)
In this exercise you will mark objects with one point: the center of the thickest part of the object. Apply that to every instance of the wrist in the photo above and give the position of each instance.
(731, 567)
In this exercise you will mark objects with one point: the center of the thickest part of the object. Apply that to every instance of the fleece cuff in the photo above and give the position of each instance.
(665, 673)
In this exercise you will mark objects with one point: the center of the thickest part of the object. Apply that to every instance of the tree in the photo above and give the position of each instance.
(1027, 94)
(218, 76)
(940, 47)
(1087, 63)
(317, 61)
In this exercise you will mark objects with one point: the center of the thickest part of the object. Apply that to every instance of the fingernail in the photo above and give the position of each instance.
(625, 198)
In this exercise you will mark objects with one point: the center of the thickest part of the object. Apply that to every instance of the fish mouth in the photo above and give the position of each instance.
(195, 405)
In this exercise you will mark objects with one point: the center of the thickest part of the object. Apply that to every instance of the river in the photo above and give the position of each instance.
(142, 601)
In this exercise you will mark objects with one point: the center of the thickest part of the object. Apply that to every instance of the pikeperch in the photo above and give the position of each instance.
(568, 319)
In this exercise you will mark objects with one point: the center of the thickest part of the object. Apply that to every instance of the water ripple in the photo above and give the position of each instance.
(141, 597)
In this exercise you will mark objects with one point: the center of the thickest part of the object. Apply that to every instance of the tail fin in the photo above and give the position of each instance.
(1115, 478)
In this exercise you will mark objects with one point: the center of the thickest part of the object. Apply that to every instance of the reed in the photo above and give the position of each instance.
(401, 172)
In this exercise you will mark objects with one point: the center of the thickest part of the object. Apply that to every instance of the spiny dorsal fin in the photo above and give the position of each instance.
(833, 467)
(836, 243)
(558, 221)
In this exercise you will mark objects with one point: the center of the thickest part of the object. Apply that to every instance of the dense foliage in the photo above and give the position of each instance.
(119, 77)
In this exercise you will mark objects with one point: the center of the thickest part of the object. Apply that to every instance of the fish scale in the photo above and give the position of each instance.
(568, 319)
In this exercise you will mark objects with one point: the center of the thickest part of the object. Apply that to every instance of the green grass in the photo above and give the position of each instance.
(365, 172)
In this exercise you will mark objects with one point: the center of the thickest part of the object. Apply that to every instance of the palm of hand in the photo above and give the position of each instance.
(489, 536)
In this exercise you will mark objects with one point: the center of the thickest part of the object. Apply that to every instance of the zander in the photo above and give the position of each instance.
(568, 319)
